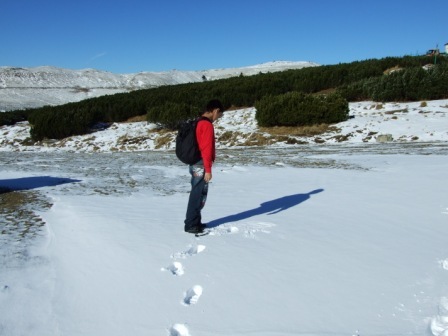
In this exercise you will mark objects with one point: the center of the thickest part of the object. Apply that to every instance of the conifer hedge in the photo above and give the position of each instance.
(408, 84)
(300, 109)
(170, 115)
(10, 118)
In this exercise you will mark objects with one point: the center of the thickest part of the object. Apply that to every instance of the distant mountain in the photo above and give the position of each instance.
(35, 87)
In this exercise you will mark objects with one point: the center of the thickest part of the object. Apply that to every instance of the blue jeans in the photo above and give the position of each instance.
(198, 196)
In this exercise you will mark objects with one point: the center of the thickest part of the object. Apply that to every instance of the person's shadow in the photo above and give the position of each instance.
(270, 208)
(27, 183)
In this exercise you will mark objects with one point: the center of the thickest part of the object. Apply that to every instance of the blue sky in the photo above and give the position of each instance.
(159, 35)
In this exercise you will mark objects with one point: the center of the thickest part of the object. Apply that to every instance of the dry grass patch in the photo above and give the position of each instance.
(378, 106)
(305, 131)
(19, 218)
(405, 110)
(232, 138)
(257, 139)
(136, 119)
(164, 140)
(226, 136)
(124, 140)
(162, 131)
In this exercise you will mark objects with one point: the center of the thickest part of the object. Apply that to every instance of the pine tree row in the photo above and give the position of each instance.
(281, 98)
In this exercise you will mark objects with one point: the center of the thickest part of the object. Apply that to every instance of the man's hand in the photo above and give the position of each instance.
(207, 177)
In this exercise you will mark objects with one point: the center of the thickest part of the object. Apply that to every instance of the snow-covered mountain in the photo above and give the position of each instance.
(34, 87)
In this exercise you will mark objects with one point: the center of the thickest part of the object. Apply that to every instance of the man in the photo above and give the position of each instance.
(201, 172)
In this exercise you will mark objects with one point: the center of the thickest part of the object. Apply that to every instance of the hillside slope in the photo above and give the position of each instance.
(396, 122)
(35, 87)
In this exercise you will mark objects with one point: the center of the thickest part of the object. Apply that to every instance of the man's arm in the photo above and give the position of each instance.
(205, 137)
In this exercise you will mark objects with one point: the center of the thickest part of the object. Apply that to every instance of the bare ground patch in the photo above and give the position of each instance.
(304, 131)
(19, 220)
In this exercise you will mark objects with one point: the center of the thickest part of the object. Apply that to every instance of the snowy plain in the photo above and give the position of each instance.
(315, 239)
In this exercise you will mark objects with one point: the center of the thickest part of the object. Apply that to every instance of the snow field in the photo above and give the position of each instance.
(357, 255)
(359, 251)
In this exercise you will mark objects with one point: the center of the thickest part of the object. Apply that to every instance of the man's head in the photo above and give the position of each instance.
(213, 110)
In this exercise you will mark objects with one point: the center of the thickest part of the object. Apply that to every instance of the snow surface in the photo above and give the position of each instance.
(324, 239)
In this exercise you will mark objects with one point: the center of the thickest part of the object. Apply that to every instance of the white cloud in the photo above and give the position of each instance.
(98, 56)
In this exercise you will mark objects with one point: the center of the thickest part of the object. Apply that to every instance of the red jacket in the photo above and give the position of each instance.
(205, 135)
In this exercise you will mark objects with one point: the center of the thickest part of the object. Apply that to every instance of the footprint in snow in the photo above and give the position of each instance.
(249, 229)
(179, 330)
(223, 230)
(193, 250)
(175, 268)
(439, 323)
(444, 264)
(193, 294)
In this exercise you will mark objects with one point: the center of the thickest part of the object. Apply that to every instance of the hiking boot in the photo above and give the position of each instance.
(196, 229)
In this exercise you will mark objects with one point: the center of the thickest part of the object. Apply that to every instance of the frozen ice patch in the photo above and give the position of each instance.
(193, 294)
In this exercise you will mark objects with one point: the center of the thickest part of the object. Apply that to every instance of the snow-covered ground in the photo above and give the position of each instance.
(335, 238)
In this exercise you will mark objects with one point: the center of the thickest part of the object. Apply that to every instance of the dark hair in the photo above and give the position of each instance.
(213, 104)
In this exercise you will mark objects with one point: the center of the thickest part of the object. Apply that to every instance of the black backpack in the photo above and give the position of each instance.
(187, 149)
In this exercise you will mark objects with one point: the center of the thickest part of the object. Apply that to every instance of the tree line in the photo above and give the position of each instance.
(292, 97)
